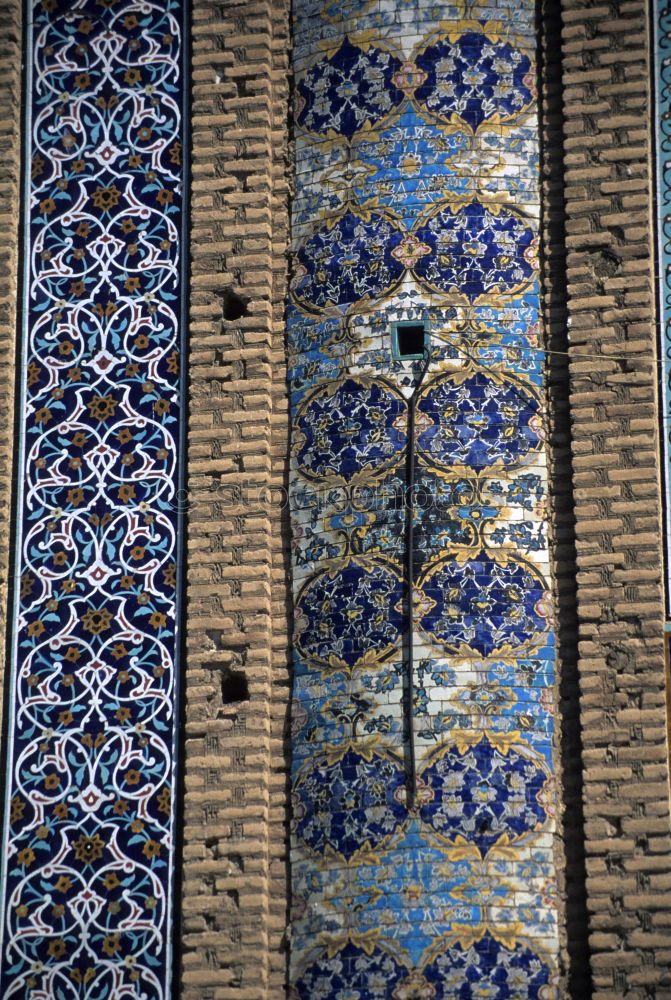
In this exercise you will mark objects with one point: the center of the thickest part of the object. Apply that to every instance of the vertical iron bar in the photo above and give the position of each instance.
(410, 579)
(411, 791)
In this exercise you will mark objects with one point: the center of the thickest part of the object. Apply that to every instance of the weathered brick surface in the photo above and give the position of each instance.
(10, 159)
(569, 856)
(607, 169)
(234, 891)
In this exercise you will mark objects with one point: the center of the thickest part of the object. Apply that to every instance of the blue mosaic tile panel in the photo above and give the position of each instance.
(87, 866)
(417, 200)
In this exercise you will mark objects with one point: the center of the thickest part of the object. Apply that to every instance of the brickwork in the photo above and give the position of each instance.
(617, 498)
(10, 160)
(234, 891)
(570, 858)
(278, 837)
(234, 884)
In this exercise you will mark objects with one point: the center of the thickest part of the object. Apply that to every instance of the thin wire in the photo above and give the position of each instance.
(521, 349)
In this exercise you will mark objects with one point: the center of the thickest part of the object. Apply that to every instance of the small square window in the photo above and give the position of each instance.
(408, 340)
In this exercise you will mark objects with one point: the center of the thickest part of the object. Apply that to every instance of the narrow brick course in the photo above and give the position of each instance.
(234, 884)
(10, 160)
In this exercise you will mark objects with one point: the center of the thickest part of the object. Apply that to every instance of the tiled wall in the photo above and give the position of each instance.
(87, 850)
(417, 199)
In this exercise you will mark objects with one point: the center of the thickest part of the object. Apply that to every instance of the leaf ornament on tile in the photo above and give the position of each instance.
(483, 792)
(307, 335)
(458, 972)
(473, 79)
(449, 505)
(363, 968)
(349, 262)
(481, 253)
(350, 430)
(482, 420)
(335, 10)
(350, 803)
(348, 615)
(352, 89)
(472, 253)
(494, 966)
(486, 603)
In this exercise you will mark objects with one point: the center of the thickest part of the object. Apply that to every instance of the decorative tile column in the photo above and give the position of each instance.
(88, 850)
(417, 203)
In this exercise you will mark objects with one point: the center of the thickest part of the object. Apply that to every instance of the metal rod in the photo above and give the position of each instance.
(411, 791)
(410, 579)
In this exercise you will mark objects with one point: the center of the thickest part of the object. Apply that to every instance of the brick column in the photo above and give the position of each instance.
(617, 496)
(280, 693)
(570, 858)
(234, 889)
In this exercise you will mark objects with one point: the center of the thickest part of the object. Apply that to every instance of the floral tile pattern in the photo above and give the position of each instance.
(417, 200)
(87, 869)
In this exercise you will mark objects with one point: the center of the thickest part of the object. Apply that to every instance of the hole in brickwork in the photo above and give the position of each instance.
(234, 687)
(234, 306)
(208, 884)
(234, 896)
(212, 846)
(215, 637)
(605, 264)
